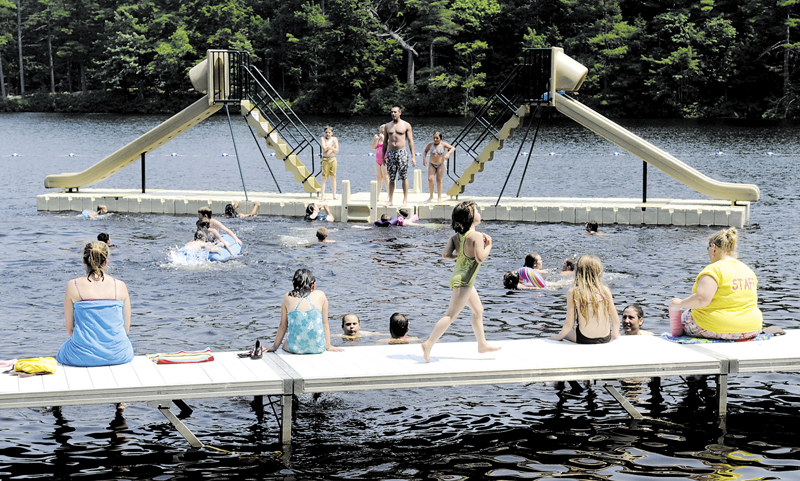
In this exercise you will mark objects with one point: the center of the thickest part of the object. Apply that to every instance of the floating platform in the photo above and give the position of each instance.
(363, 206)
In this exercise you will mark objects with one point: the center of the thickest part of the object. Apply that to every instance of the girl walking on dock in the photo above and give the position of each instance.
(469, 248)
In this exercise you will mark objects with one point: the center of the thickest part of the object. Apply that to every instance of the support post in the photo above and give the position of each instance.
(143, 172)
(722, 395)
(163, 407)
(344, 215)
(417, 187)
(644, 184)
(286, 419)
(621, 400)
(373, 201)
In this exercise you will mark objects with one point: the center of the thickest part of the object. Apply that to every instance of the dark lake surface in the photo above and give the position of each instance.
(532, 431)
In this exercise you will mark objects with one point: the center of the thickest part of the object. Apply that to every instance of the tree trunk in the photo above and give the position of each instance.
(2, 79)
(432, 57)
(410, 72)
(69, 75)
(403, 44)
(19, 43)
(786, 60)
(50, 57)
(83, 76)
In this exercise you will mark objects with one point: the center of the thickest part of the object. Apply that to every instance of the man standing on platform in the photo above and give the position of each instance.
(398, 133)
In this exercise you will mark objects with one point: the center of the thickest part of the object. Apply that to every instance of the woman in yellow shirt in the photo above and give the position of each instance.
(723, 304)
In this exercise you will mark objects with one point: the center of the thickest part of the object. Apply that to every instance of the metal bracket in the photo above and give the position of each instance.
(626, 405)
(164, 406)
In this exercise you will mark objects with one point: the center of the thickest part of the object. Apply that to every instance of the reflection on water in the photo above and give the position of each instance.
(532, 431)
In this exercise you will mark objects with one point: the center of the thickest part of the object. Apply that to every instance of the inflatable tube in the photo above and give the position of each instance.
(223, 254)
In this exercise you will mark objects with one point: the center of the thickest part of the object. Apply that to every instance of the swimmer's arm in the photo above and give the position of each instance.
(410, 136)
(69, 295)
(281, 327)
(450, 150)
(569, 323)
(615, 323)
(385, 143)
(226, 246)
(425, 153)
(451, 251)
(375, 141)
(481, 245)
(218, 225)
(335, 148)
(706, 290)
(126, 306)
(327, 328)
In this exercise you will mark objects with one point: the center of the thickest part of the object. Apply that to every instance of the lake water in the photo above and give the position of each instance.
(506, 431)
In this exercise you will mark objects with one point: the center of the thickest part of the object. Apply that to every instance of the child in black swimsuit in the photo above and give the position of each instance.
(590, 302)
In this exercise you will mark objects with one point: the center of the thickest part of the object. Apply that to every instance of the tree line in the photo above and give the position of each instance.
(646, 58)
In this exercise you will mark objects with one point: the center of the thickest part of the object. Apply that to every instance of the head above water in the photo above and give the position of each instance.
(200, 235)
(230, 211)
(351, 324)
(102, 209)
(322, 234)
(726, 240)
(303, 283)
(95, 256)
(632, 319)
(385, 218)
(511, 280)
(398, 325)
(204, 212)
(310, 208)
(533, 260)
(103, 237)
(464, 215)
(591, 226)
(403, 212)
(569, 264)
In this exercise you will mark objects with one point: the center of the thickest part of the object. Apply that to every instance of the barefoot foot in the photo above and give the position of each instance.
(426, 352)
(488, 348)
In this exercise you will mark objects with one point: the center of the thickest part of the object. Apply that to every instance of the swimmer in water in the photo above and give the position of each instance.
(89, 214)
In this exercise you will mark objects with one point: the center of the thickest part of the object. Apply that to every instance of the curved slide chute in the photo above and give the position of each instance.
(166, 131)
(653, 155)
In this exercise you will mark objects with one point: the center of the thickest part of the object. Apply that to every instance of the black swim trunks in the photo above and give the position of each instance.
(397, 163)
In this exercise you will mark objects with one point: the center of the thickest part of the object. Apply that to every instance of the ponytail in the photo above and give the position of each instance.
(95, 255)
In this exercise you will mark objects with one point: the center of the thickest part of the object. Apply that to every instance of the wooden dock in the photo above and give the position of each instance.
(363, 206)
(378, 367)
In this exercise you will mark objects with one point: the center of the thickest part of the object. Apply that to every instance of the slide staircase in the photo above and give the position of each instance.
(270, 115)
(488, 124)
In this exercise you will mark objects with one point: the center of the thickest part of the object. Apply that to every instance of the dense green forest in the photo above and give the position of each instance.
(646, 58)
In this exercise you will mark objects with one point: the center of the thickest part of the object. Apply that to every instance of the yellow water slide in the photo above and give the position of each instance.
(653, 155)
(201, 77)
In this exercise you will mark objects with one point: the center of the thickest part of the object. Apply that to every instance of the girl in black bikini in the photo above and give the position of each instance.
(589, 301)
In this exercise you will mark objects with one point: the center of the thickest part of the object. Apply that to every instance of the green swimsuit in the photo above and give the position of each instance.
(466, 269)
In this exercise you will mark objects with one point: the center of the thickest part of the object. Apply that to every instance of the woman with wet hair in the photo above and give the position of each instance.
(97, 313)
(724, 299)
(304, 318)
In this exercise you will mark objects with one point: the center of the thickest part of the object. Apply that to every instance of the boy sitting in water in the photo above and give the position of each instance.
(204, 213)
(398, 329)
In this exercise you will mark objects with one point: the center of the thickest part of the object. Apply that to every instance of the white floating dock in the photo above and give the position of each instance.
(363, 207)
(397, 367)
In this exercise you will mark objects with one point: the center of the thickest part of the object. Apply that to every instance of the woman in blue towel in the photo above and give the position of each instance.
(97, 312)
(304, 318)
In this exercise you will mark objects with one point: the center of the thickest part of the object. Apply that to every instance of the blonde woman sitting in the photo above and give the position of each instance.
(97, 313)
(591, 303)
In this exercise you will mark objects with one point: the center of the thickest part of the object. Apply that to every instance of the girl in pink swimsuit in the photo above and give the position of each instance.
(381, 173)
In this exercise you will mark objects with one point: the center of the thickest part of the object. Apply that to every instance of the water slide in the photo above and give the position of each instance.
(653, 155)
(166, 131)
